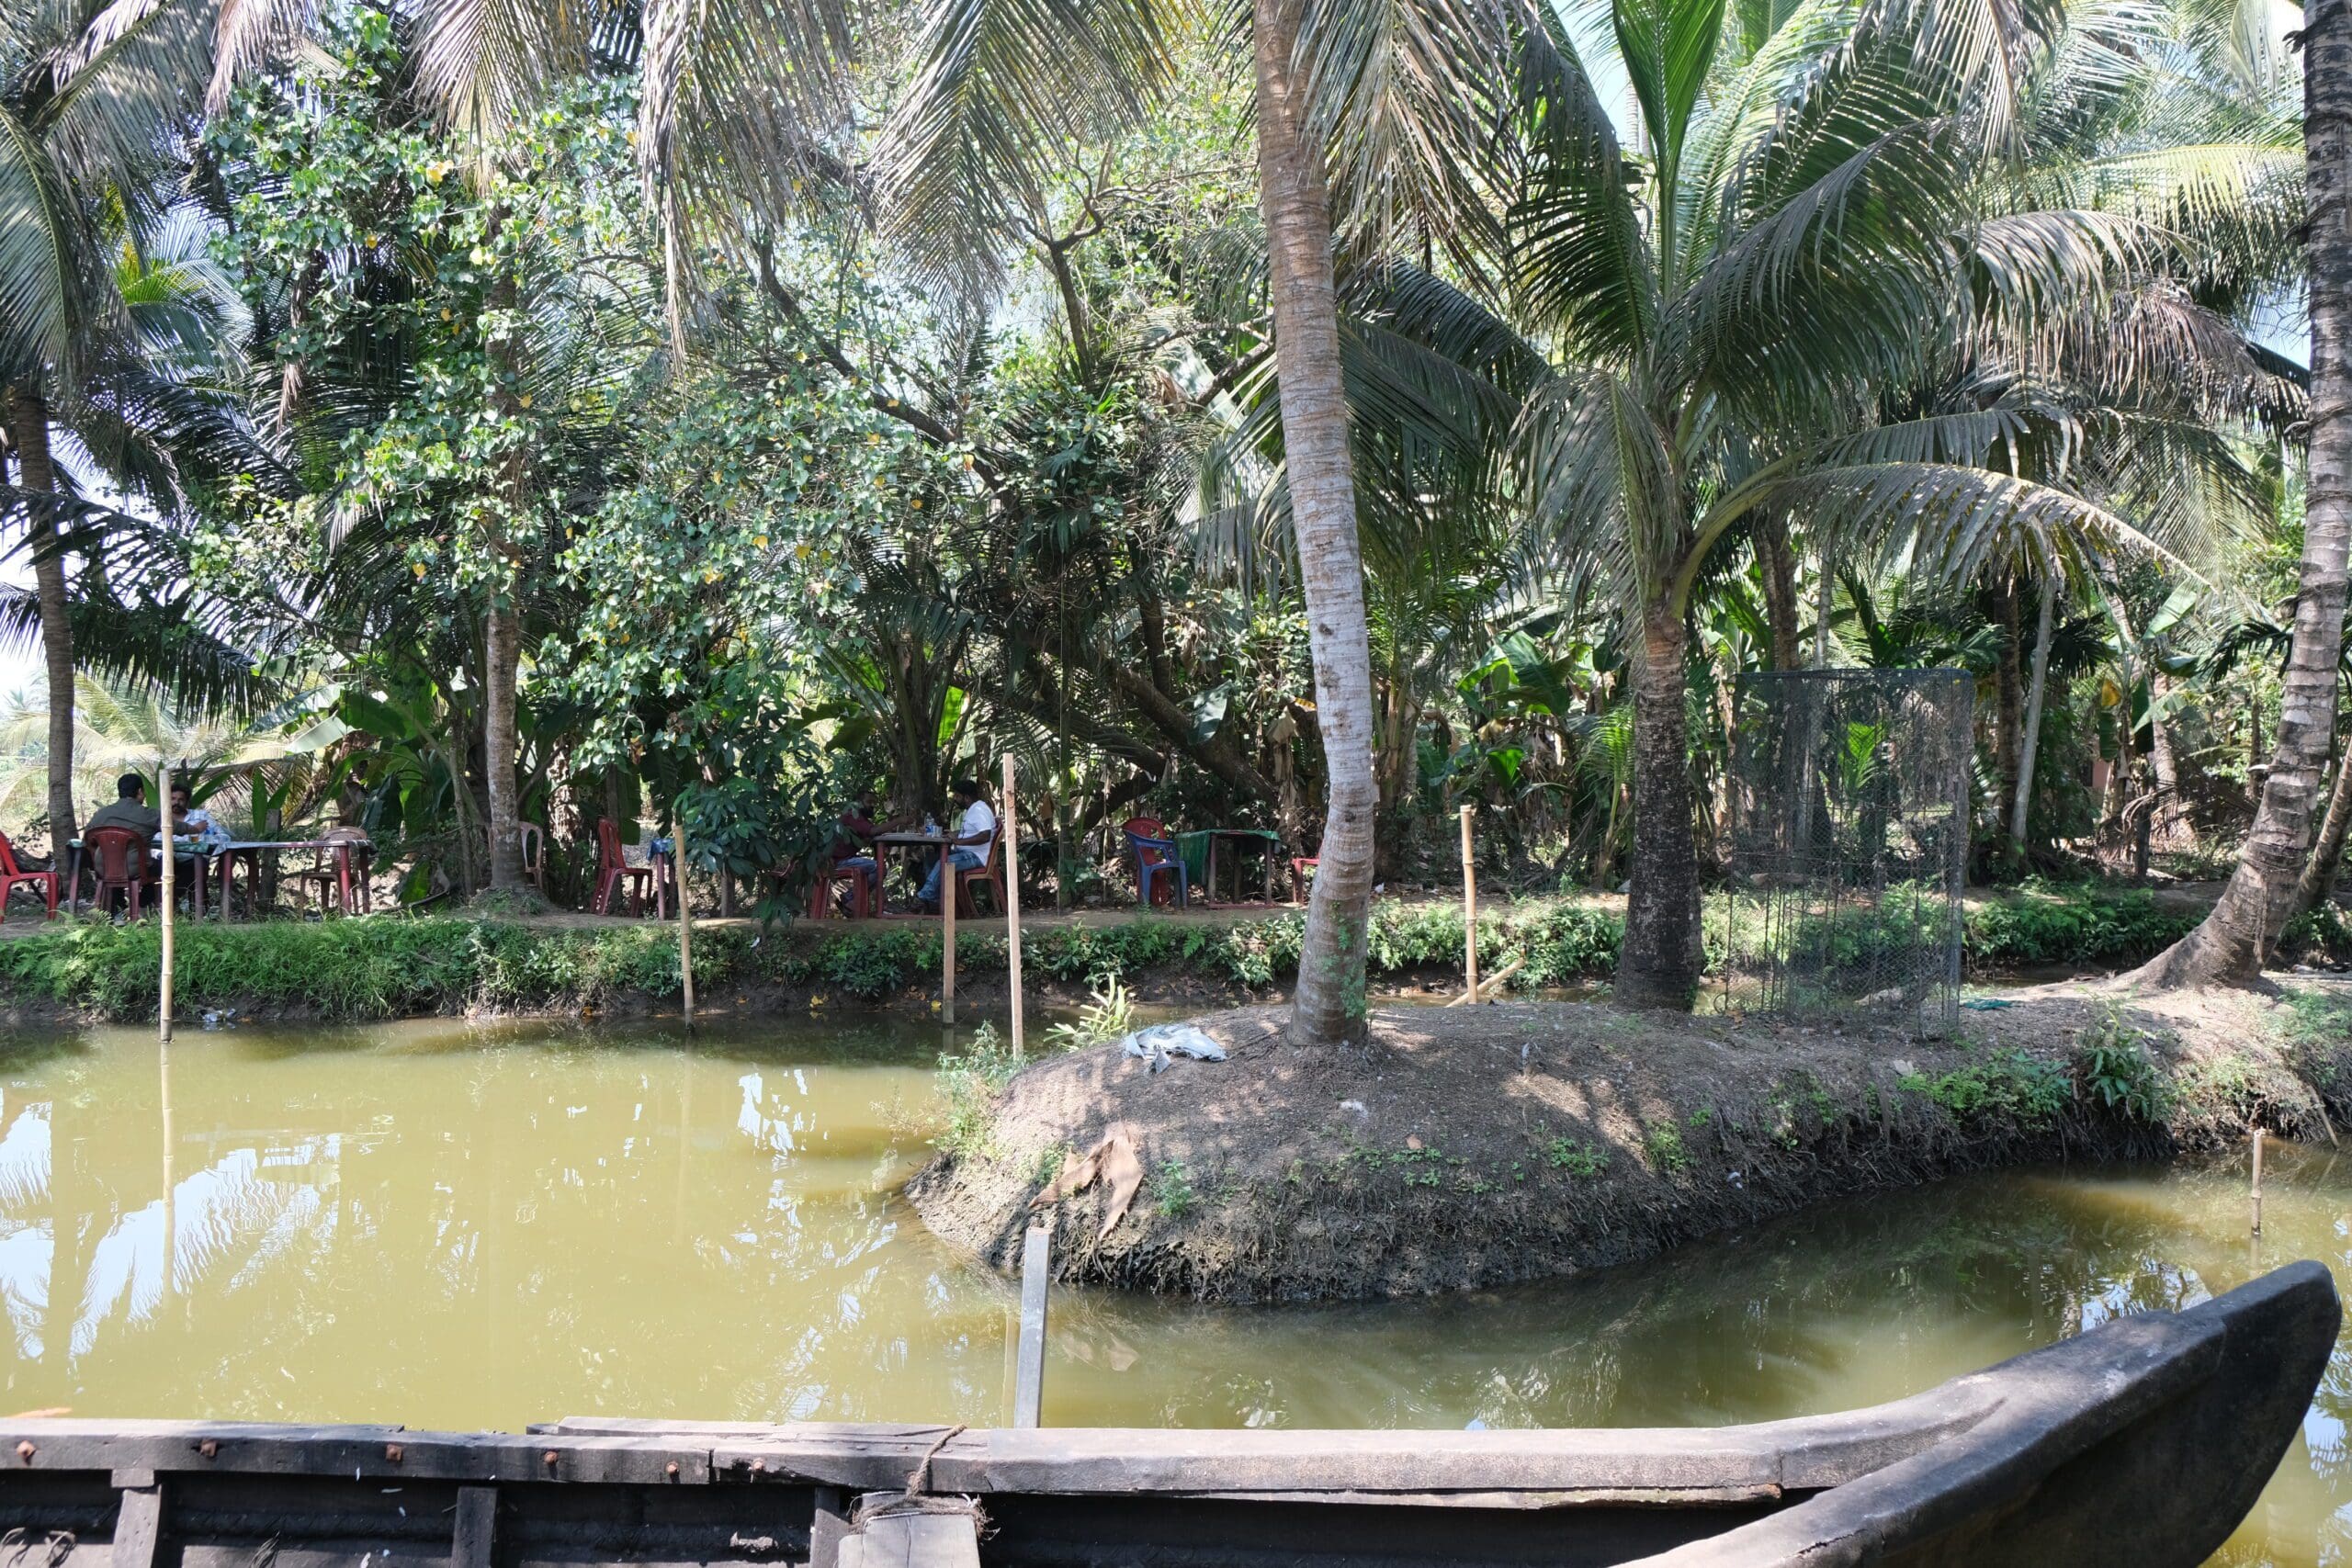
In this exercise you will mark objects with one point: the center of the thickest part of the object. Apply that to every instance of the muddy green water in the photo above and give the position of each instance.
(457, 1226)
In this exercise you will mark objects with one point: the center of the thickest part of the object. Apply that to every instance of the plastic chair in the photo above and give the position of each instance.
(988, 873)
(612, 870)
(1156, 856)
(822, 903)
(1299, 866)
(330, 872)
(120, 856)
(535, 855)
(13, 876)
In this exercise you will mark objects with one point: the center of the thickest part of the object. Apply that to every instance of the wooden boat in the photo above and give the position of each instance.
(2143, 1442)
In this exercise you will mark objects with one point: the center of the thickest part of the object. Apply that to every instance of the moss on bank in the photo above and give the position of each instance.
(1474, 1147)
(388, 966)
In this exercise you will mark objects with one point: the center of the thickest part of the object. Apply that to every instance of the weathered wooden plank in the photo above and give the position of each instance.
(137, 1527)
(828, 1524)
(381, 1453)
(1514, 1501)
(477, 1526)
(1029, 1366)
(918, 1540)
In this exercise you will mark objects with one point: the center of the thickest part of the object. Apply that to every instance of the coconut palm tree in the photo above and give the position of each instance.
(91, 95)
(2264, 892)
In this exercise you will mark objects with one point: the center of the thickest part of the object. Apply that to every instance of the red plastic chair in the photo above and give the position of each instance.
(123, 865)
(1299, 866)
(1156, 856)
(822, 903)
(988, 873)
(13, 876)
(612, 870)
(339, 869)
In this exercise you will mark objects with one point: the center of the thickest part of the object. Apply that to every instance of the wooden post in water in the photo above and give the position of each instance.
(685, 915)
(1469, 914)
(1012, 906)
(2257, 1181)
(1029, 1365)
(948, 924)
(164, 993)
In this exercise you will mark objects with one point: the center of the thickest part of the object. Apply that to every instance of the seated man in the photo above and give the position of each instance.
(978, 827)
(129, 810)
(854, 834)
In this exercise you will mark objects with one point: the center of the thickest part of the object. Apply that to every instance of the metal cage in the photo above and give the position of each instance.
(1849, 843)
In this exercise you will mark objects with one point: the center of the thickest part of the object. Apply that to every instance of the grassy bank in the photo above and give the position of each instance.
(1462, 1149)
(395, 966)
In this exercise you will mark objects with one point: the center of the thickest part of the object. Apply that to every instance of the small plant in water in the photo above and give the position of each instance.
(1109, 1017)
(968, 1081)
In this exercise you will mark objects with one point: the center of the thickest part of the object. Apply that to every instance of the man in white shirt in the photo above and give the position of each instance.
(978, 827)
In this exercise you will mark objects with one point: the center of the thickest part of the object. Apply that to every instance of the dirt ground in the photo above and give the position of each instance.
(1465, 1147)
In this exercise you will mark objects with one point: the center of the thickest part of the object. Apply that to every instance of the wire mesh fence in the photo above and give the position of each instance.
(1849, 843)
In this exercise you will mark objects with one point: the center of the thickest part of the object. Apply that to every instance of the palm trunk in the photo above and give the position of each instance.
(502, 642)
(1777, 561)
(2261, 895)
(1329, 1004)
(2318, 881)
(2169, 818)
(2009, 713)
(27, 416)
(2029, 742)
(502, 661)
(1660, 963)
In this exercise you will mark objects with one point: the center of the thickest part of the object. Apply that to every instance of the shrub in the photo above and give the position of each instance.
(2013, 1088)
(2112, 1064)
(1662, 1148)
(1580, 1159)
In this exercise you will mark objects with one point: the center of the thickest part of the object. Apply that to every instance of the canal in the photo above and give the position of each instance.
(453, 1226)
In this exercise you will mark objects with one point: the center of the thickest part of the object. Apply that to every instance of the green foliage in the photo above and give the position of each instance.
(1110, 1015)
(2041, 924)
(1662, 1148)
(1578, 1158)
(2012, 1089)
(1171, 1189)
(2112, 1063)
(969, 1080)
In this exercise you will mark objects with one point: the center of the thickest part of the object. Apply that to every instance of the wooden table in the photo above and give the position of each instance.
(1242, 837)
(249, 851)
(884, 842)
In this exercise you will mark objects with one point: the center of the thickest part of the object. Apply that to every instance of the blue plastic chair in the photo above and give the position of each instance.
(1147, 838)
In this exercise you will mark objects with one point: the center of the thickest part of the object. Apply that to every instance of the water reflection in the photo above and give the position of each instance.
(454, 1226)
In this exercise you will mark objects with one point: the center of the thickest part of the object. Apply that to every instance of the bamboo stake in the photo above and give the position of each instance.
(2257, 1181)
(686, 914)
(1492, 985)
(164, 996)
(948, 926)
(1012, 907)
(1469, 912)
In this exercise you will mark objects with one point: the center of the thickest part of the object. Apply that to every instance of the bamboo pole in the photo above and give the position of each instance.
(1012, 907)
(686, 914)
(2257, 1181)
(1492, 985)
(164, 995)
(948, 924)
(1469, 912)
